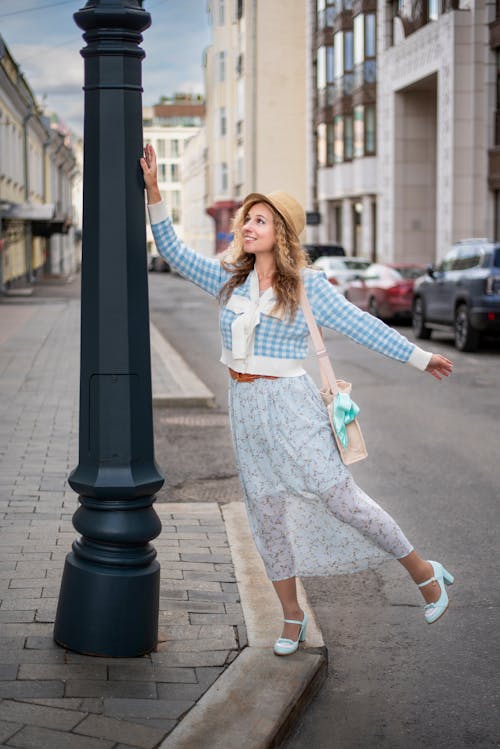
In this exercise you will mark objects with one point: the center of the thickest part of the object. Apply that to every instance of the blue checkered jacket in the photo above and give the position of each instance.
(256, 340)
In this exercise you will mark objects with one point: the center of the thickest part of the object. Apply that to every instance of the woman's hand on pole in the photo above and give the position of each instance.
(439, 366)
(150, 173)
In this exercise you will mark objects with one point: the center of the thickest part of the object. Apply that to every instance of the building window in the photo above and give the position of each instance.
(359, 131)
(325, 76)
(326, 13)
(160, 148)
(223, 121)
(348, 145)
(432, 10)
(221, 13)
(370, 130)
(162, 172)
(174, 173)
(238, 7)
(325, 144)
(364, 49)
(338, 146)
(174, 149)
(364, 131)
(223, 177)
(343, 61)
(222, 67)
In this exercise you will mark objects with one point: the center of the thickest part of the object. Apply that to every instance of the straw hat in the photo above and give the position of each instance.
(286, 205)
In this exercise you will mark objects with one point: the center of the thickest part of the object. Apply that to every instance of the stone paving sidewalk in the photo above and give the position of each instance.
(51, 697)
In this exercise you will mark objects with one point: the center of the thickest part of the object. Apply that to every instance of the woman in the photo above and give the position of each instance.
(307, 515)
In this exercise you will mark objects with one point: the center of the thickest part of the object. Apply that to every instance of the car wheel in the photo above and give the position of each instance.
(466, 337)
(418, 320)
(372, 308)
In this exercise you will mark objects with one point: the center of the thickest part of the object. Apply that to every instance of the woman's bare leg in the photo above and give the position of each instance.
(287, 593)
(420, 570)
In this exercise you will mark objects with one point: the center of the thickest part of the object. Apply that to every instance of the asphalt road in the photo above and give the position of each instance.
(394, 682)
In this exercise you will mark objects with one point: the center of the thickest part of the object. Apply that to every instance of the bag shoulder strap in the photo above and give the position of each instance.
(325, 365)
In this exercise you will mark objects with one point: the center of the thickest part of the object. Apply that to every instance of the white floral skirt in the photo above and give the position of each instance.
(306, 513)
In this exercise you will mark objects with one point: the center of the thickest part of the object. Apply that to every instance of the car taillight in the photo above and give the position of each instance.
(399, 290)
(493, 285)
(333, 281)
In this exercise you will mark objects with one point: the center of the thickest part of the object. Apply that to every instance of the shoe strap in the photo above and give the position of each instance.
(293, 621)
(430, 580)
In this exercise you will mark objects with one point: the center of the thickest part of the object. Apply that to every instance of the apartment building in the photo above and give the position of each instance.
(255, 82)
(168, 126)
(37, 167)
(342, 49)
(404, 147)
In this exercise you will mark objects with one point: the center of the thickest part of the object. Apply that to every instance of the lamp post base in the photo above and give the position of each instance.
(108, 612)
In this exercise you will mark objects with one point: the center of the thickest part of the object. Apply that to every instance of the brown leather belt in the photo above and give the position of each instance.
(246, 377)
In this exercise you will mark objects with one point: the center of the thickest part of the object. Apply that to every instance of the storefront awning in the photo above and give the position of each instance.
(27, 211)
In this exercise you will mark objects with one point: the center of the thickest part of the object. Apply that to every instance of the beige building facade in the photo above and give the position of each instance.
(255, 82)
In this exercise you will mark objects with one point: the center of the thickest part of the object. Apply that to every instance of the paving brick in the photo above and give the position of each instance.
(19, 604)
(43, 738)
(89, 688)
(119, 730)
(176, 691)
(220, 577)
(213, 619)
(15, 593)
(19, 690)
(7, 730)
(198, 606)
(133, 709)
(186, 659)
(155, 672)
(212, 643)
(17, 616)
(38, 715)
(207, 676)
(90, 670)
(207, 558)
(8, 672)
(85, 704)
(52, 657)
(204, 595)
(41, 643)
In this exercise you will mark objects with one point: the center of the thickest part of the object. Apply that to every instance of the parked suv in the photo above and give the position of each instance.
(462, 292)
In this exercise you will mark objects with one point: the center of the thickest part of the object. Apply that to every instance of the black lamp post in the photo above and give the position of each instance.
(108, 603)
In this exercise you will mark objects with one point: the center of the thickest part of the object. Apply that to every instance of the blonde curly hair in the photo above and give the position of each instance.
(289, 255)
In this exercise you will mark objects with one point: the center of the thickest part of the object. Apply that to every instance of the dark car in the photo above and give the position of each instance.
(384, 289)
(462, 292)
(320, 250)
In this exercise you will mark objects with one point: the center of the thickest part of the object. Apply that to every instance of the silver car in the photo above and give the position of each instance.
(341, 270)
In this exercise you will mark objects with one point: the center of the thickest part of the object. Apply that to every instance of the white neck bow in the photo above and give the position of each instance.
(249, 311)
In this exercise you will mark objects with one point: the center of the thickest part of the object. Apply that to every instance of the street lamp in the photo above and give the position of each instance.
(109, 597)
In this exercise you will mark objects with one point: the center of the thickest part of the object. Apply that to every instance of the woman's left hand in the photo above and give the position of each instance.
(439, 366)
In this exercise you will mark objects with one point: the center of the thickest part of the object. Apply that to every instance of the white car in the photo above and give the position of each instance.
(341, 270)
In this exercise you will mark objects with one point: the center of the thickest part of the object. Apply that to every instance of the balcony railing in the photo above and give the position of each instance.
(326, 96)
(341, 5)
(344, 86)
(365, 72)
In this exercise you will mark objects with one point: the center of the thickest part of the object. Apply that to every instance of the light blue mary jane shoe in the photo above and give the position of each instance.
(284, 646)
(433, 611)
